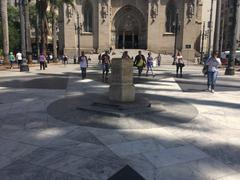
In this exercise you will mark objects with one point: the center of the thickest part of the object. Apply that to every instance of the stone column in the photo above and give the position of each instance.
(122, 88)
(104, 34)
(190, 30)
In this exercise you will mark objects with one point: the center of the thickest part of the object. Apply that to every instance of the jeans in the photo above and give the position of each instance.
(212, 78)
(140, 69)
(84, 73)
(42, 65)
(105, 68)
(179, 67)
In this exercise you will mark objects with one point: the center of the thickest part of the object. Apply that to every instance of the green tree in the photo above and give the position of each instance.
(42, 7)
(14, 29)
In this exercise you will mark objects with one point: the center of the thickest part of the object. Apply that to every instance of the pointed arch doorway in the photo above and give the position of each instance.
(129, 29)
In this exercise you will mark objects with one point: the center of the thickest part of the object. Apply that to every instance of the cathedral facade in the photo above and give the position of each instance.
(97, 25)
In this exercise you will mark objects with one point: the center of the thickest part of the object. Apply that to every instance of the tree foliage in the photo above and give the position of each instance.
(14, 29)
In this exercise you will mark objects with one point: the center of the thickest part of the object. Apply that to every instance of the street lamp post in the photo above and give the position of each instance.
(217, 26)
(24, 66)
(230, 70)
(176, 30)
(210, 29)
(78, 28)
(202, 44)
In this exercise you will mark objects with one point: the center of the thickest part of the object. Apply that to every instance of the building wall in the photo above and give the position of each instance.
(153, 32)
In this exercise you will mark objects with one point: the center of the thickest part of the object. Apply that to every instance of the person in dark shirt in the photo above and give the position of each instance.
(140, 62)
(106, 62)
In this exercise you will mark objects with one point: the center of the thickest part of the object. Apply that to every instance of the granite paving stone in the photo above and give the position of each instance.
(12, 149)
(211, 168)
(112, 139)
(135, 147)
(82, 135)
(198, 139)
(4, 161)
(173, 156)
(178, 172)
(231, 177)
(21, 170)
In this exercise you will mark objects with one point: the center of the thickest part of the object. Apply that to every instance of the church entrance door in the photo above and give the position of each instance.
(127, 40)
(129, 29)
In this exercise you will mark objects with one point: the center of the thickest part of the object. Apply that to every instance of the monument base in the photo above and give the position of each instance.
(122, 88)
(122, 93)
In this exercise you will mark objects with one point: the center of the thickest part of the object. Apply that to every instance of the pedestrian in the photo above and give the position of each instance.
(106, 62)
(140, 62)
(11, 59)
(42, 61)
(65, 59)
(150, 64)
(125, 55)
(213, 63)
(100, 58)
(75, 59)
(83, 64)
(159, 59)
(179, 64)
(19, 58)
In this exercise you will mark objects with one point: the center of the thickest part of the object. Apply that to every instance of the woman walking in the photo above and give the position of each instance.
(179, 64)
(83, 64)
(42, 60)
(149, 64)
(213, 63)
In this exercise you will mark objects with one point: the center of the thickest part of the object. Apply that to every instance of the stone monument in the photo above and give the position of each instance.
(122, 88)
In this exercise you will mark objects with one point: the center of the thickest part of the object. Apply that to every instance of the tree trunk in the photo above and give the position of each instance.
(4, 15)
(54, 34)
(42, 8)
(28, 34)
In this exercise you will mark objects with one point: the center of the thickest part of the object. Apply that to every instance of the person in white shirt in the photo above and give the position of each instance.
(179, 64)
(19, 58)
(213, 64)
(83, 64)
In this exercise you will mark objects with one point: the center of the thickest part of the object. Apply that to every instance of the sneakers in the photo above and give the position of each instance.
(212, 91)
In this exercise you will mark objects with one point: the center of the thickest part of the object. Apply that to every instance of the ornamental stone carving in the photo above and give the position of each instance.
(154, 10)
(104, 10)
(69, 11)
(190, 9)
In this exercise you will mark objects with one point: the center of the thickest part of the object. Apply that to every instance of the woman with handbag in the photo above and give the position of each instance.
(213, 63)
(179, 64)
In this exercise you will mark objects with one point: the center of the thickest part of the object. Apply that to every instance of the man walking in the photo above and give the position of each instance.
(140, 62)
(19, 58)
(106, 62)
(11, 59)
